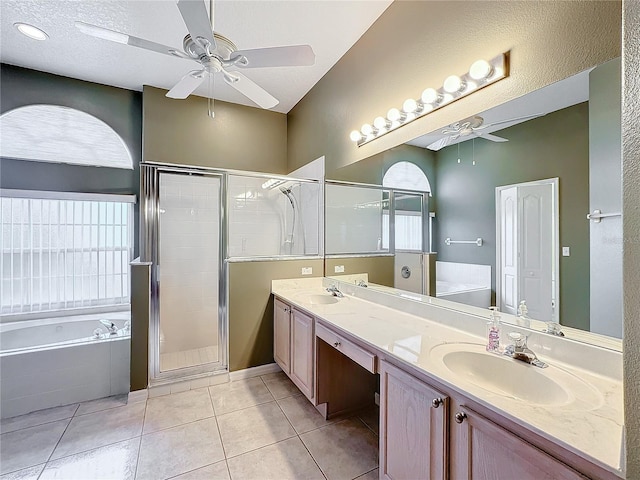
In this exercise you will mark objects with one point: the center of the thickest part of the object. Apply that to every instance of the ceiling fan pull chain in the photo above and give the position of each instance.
(211, 112)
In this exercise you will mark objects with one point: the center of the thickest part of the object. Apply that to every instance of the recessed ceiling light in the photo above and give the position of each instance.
(31, 31)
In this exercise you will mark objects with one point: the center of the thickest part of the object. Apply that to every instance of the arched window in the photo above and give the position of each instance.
(407, 175)
(51, 133)
(408, 219)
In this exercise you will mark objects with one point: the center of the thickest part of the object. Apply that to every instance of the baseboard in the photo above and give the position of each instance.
(254, 371)
(138, 396)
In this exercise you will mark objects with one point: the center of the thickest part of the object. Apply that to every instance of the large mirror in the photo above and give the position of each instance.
(510, 192)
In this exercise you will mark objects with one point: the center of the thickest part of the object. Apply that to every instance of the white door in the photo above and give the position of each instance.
(535, 231)
(527, 249)
(508, 294)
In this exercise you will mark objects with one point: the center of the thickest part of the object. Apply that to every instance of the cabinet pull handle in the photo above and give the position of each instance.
(336, 344)
(436, 402)
(460, 416)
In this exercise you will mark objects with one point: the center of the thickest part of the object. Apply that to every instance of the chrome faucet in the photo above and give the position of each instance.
(361, 283)
(554, 328)
(333, 290)
(518, 350)
(111, 327)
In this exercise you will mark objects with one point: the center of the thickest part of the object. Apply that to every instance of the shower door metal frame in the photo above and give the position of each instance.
(149, 249)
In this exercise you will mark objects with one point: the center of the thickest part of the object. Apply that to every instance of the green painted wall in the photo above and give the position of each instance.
(120, 109)
(556, 145)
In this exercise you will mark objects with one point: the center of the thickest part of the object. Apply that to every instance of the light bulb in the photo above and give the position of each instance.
(395, 115)
(366, 129)
(410, 105)
(429, 96)
(31, 31)
(381, 123)
(480, 69)
(453, 84)
(355, 136)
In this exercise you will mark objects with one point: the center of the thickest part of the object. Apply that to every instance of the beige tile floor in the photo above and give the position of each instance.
(260, 428)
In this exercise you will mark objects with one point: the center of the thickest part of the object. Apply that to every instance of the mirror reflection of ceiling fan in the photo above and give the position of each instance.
(214, 53)
(472, 127)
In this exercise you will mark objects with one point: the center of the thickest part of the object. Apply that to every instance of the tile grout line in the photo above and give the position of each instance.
(224, 452)
(58, 442)
(300, 439)
(144, 418)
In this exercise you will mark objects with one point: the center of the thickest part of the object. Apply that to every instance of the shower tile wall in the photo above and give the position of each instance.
(260, 219)
(189, 269)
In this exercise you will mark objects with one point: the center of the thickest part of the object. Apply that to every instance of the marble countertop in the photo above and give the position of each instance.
(589, 424)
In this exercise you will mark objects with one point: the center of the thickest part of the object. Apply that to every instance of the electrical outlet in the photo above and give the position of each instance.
(566, 251)
(338, 269)
(307, 270)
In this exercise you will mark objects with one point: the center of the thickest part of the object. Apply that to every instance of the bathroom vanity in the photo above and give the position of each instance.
(449, 409)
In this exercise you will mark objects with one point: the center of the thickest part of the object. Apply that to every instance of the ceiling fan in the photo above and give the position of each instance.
(215, 53)
(472, 127)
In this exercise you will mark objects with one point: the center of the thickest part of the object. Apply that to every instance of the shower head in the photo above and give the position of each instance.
(288, 194)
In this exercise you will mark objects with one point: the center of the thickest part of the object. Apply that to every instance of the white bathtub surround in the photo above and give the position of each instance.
(465, 283)
(409, 329)
(47, 363)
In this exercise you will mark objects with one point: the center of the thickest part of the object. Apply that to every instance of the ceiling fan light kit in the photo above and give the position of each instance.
(481, 74)
(215, 53)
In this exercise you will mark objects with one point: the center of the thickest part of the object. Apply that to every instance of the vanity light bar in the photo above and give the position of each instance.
(480, 74)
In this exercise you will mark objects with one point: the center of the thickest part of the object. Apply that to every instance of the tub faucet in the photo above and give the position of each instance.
(333, 290)
(111, 327)
(518, 350)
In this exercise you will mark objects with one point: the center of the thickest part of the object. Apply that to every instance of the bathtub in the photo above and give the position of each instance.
(59, 361)
(469, 294)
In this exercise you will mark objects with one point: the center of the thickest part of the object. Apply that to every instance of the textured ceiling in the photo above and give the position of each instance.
(330, 27)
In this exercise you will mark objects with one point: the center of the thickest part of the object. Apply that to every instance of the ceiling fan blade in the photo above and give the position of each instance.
(439, 144)
(518, 119)
(194, 14)
(493, 138)
(125, 39)
(289, 56)
(187, 84)
(250, 89)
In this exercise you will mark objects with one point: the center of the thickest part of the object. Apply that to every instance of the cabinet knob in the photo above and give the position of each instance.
(336, 344)
(460, 416)
(436, 402)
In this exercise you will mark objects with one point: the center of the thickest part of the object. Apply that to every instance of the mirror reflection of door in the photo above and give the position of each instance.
(527, 246)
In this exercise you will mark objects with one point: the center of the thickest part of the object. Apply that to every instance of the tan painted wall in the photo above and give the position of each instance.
(416, 44)
(240, 137)
(251, 308)
(631, 231)
(380, 269)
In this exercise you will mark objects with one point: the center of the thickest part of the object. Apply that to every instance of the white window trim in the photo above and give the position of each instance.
(77, 196)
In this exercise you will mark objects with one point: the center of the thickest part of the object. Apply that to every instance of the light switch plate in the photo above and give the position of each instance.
(566, 251)
(338, 269)
(307, 270)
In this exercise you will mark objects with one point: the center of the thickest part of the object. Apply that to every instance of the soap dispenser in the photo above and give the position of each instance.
(523, 315)
(493, 331)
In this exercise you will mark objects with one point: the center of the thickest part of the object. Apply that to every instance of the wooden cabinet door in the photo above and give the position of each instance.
(282, 335)
(413, 421)
(302, 352)
(483, 450)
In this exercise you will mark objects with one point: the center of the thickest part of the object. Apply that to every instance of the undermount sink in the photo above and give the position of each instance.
(319, 299)
(511, 378)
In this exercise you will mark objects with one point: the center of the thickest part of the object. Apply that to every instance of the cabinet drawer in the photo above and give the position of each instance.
(361, 357)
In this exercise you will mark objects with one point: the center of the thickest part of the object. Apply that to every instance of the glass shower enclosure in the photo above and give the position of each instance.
(184, 215)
